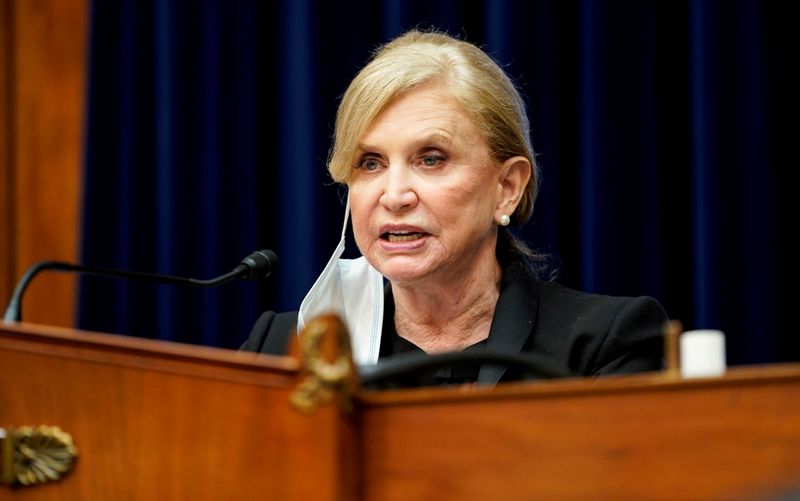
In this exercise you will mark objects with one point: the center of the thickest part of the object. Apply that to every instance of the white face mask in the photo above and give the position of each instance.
(353, 289)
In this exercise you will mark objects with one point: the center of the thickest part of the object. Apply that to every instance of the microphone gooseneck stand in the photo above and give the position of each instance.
(258, 264)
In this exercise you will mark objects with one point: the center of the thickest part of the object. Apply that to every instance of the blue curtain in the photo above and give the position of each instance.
(664, 130)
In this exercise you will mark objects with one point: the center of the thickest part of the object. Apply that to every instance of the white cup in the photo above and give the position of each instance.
(702, 353)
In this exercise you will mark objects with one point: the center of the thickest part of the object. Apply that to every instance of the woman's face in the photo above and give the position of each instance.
(425, 191)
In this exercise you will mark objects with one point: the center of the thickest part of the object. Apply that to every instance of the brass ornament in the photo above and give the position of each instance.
(32, 456)
(325, 380)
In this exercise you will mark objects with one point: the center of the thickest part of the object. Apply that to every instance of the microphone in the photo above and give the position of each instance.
(258, 264)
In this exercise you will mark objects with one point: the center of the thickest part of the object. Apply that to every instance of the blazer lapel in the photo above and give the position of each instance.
(514, 318)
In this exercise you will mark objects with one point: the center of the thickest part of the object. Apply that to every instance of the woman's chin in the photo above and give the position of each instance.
(404, 270)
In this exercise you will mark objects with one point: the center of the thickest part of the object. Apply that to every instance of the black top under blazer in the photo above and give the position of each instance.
(590, 334)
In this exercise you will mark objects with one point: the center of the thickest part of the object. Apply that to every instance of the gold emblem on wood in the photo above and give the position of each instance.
(32, 456)
(325, 338)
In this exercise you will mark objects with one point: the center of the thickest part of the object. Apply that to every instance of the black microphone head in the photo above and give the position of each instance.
(260, 264)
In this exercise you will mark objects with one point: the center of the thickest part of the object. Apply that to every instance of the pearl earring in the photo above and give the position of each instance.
(504, 220)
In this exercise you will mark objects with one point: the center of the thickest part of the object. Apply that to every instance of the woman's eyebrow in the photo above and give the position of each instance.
(436, 137)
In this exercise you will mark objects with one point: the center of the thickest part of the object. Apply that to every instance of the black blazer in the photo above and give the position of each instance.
(589, 334)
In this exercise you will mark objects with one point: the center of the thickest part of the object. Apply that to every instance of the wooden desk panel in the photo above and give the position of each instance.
(155, 421)
(640, 437)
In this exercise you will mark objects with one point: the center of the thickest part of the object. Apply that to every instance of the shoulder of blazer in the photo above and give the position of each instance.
(598, 334)
(271, 333)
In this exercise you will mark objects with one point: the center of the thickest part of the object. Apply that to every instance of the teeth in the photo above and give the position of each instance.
(402, 236)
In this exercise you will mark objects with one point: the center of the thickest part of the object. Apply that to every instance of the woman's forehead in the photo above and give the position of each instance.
(430, 112)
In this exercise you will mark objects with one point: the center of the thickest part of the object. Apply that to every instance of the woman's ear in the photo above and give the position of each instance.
(514, 176)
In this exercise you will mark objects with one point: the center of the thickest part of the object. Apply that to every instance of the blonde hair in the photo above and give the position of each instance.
(479, 85)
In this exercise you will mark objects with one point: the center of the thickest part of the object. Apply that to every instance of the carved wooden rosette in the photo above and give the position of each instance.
(327, 361)
(33, 456)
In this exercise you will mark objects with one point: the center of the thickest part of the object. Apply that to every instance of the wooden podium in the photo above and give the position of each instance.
(162, 421)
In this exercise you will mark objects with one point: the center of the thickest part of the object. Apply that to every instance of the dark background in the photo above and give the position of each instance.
(665, 130)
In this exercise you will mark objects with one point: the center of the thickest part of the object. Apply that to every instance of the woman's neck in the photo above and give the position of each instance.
(451, 315)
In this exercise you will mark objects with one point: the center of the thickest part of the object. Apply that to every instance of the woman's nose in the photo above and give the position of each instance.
(399, 193)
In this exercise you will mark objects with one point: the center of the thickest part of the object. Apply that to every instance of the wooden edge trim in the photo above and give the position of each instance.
(653, 381)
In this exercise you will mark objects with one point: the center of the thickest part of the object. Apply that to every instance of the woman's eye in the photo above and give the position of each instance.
(369, 164)
(432, 160)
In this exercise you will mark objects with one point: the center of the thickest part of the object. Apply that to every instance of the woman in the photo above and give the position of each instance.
(432, 141)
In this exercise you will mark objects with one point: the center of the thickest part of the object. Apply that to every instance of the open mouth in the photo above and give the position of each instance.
(401, 236)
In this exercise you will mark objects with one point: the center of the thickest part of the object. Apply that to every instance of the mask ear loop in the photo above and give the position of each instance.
(346, 215)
